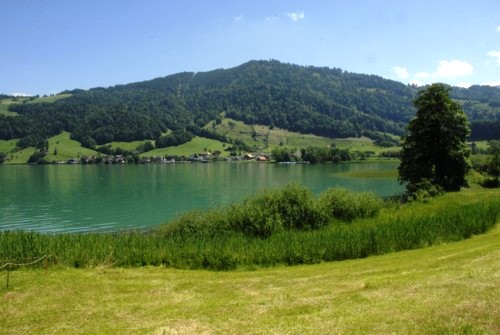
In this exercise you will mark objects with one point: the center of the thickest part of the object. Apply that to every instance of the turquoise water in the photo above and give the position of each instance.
(107, 198)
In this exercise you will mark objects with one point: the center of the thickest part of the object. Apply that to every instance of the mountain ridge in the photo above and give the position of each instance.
(323, 101)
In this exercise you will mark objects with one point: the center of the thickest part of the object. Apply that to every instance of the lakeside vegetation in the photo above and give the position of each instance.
(197, 241)
(451, 288)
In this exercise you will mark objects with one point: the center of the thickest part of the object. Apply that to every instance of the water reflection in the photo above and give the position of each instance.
(106, 198)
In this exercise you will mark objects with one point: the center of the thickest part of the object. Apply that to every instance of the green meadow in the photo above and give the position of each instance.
(129, 146)
(15, 156)
(268, 138)
(4, 107)
(7, 145)
(50, 99)
(19, 157)
(264, 137)
(450, 288)
(4, 103)
(62, 148)
(196, 145)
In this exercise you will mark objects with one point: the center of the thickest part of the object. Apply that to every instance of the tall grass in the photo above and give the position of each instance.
(194, 243)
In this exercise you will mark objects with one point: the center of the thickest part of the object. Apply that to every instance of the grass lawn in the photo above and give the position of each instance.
(447, 289)
(4, 107)
(20, 157)
(483, 145)
(4, 103)
(66, 148)
(196, 145)
(130, 146)
(50, 99)
(7, 146)
(271, 138)
(265, 137)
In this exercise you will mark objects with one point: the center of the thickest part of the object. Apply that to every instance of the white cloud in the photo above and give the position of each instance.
(492, 83)
(296, 16)
(445, 70)
(21, 94)
(454, 68)
(463, 84)
(416, 82)
(495, 54)
(401, 72)
(238, 18)
(424, 75)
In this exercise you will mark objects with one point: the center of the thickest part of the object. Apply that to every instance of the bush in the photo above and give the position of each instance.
(346, 205)
(275, 211)
(193, 241)
(490, 182)
(270, 212)
(423, 190)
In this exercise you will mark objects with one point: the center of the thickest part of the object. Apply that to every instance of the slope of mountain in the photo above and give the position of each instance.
(321, 101)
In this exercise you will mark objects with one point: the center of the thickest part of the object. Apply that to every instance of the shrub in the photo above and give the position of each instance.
(490, 182)
(293, 207)
(194, 240)
(346, 205)
(273, 211)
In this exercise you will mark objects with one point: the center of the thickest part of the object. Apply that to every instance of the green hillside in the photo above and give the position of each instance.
(6, 102)
(196, 146)
(4, 107)
(327, 102)
(62, 148)
(20, 156)
(7, 146)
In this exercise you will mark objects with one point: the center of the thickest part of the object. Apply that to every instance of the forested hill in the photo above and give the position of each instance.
(322, 101)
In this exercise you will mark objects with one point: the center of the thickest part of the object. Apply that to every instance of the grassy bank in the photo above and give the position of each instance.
(447, 289)
(62, 148)
(451, 217)
(196, 145)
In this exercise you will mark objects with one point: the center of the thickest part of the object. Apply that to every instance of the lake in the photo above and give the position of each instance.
(73, 198)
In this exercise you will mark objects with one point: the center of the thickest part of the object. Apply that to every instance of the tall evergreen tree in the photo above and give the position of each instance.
(435, 153)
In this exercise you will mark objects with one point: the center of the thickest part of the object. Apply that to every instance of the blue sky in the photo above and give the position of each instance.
(48, 46)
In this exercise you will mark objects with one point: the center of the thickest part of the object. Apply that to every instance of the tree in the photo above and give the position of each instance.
(435, 155)
(494, 165)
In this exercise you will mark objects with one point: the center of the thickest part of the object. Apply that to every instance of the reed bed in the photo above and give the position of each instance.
(219, 240)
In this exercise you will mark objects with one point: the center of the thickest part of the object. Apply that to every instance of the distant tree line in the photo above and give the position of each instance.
(485, 130)
(314, 154)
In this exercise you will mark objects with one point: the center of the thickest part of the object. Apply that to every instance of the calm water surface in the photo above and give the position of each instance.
(106, 198)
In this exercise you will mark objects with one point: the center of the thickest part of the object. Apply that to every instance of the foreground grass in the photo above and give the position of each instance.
(447, 289)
